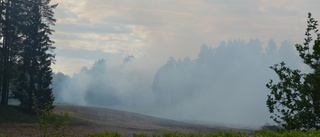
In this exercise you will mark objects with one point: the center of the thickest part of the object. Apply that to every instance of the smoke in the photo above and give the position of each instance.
(105, 84)
(223, 85)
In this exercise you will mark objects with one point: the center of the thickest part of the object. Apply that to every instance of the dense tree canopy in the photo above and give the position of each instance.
(27, 52)
(295, 99)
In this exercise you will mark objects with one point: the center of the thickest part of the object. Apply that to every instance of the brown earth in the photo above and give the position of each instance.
(86, 120)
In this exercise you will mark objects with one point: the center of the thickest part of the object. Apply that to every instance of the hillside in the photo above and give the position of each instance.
(101, 119)
(85, 120)
(13, 114)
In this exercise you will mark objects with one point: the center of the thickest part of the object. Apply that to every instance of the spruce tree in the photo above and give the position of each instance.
(43, 20)
(4, 51)
(26, 53)
(2, 7)
(12, 37)
(33, 83)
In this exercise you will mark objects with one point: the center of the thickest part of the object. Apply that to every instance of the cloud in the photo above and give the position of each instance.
(83, 54)
(162, 28)
(152, 31)
(82, 28)
(69, 66)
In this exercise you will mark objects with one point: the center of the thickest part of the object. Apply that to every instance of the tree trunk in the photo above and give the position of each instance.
(5, 72)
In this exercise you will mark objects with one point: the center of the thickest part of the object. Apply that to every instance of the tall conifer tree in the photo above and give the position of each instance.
(26, 52)
(33, 84)
(11, 33)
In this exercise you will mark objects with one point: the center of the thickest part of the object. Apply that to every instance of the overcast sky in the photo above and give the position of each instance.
(87, 30)
(138, 37)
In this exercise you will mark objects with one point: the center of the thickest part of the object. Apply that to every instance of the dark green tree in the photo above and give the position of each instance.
(26, 52)
(4, 51)
(33, 83)
(11, 34)
(45, 58)
(2, 7)
(295, 100)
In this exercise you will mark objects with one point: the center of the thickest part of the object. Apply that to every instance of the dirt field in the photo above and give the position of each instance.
(86, 120)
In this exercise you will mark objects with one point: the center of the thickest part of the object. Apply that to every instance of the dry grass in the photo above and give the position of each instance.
(85, 120)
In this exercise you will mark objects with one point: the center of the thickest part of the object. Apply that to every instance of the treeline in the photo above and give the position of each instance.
(233, 68)
(26, 52)
(235, 62)
(227, 79)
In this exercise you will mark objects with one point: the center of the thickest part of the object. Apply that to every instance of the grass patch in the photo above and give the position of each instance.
(16, 114)
(262, 133)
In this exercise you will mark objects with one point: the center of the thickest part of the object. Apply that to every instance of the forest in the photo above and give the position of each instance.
(26, 52)
(243, 84)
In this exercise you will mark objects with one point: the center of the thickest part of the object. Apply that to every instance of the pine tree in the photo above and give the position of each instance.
(11, 42)
(13, 21)
(4, 51)
(44, 18)
(26, 53)
(2, 7)
(33, 83)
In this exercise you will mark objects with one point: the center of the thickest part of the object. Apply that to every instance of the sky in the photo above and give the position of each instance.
(159, 29)
(223, 85)
(144, 43)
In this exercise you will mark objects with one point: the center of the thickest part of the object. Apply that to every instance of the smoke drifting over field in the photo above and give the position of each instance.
(223, 85)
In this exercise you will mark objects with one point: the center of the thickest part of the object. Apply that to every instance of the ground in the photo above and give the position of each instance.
(86, 120)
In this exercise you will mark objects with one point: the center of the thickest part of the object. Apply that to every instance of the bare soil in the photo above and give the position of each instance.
(87, 120)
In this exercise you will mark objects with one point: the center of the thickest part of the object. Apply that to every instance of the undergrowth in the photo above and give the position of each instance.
(262, 133)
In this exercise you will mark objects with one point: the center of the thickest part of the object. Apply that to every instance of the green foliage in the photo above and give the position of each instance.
(15, 114)
(35, 59)
(60, 127)
(139, 135)
(295, 100)
(45, 117)
(26, 56)
(262, 133)
(173, 134)
(291, 133)
(266, 133)
(105, 134)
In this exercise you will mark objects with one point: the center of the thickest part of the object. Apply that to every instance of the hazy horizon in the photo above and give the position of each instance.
(86, 31)
(184, 60)
(224, 85)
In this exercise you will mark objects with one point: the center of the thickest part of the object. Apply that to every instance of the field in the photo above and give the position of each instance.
(88, 120)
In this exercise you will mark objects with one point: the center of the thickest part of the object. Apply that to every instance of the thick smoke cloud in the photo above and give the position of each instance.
(103, 85)
(223, 85)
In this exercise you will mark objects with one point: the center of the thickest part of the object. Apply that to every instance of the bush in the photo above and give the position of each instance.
(105, 134)
(261, 133)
